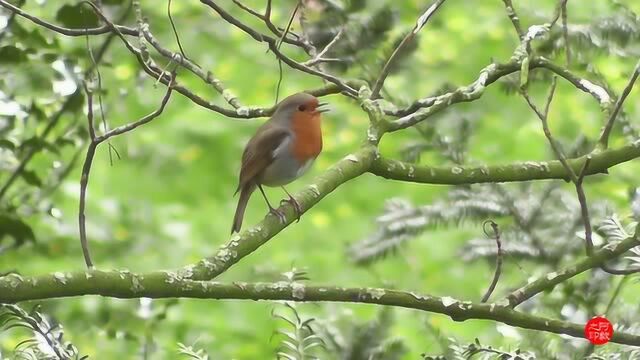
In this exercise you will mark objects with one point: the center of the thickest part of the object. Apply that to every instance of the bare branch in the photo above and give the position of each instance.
(423, 108)
(604, 137)
(496, 275)
(175, 31)
(163, 284)
(88, 161)
(420, 23)
(565, 33)
(513, 16)
(319, 58)
(66, 31)
(521, 171)
(552, 279)
(273, 47)
(266, 18)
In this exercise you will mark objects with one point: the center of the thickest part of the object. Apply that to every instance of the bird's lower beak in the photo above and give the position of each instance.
(319, 108)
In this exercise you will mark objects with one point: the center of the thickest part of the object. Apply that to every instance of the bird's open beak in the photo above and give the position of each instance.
(319, 110)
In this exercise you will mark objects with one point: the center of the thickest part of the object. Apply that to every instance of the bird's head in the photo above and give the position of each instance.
(300, 105)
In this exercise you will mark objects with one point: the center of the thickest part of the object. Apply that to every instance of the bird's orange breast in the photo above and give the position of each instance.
(307, 143)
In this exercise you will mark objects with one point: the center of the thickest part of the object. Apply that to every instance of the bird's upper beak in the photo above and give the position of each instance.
(319, 108)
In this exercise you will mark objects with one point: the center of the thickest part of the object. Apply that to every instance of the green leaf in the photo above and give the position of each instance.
(12, 55)
(15, 228)
(31, 178)
(77, 16)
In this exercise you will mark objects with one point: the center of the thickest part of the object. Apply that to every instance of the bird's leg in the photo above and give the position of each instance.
(275, 212)
(296, 205)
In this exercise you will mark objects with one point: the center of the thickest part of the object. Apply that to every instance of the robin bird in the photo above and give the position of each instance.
(281, 150)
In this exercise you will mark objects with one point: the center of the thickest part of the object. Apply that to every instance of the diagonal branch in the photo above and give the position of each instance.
(272, 42)
(597, 259)
(266, 18)
(604, 137)
(121, 284)
(241, 245)
(420, 23)
(513, 16)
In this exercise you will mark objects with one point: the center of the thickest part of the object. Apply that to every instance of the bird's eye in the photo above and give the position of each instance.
(302, 108)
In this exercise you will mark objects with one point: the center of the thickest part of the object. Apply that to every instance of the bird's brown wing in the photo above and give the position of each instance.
(259, 153)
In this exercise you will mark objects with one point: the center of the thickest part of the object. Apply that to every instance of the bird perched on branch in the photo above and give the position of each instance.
(281, 150)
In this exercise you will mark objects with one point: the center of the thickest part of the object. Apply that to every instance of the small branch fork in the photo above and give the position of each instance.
(422, 21)
(91, 150)
(576, 178)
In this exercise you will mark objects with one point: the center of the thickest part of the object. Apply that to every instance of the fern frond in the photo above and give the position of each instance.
(298, 340)
(47, 341)
(401, 221)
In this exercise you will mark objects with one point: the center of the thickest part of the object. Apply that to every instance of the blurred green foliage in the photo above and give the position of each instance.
(169, 199)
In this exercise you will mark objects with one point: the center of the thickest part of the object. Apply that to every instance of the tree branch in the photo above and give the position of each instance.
(513, 16)
(88, 161)
(608, 252)
(420, 23)
(66, 31)
(241, 245)
(415, 113)
(604, 137)
(124, 284)
(272, 42)
(525, 171)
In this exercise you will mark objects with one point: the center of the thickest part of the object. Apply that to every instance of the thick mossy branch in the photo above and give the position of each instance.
(248, 241)
(526, 171)
(119, 284)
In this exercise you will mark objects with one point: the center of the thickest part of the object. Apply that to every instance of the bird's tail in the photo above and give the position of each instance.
(245, 194)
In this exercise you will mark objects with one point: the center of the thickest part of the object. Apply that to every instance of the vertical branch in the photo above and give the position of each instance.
(422, 21)
(175, 31)
(565, 34)
(91, 150)
(498, 272)
(84, 180)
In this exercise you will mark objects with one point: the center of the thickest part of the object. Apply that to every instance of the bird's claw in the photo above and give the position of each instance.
(279, 214)
(296, 206)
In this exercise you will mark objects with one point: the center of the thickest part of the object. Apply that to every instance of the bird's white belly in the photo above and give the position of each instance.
(283, 170)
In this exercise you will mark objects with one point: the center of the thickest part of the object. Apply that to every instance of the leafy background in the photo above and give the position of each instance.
(169, 199)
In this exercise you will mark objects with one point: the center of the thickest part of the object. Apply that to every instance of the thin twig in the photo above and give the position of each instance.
(175, 31)
(513, 16)
(67, 31)
(422, 21)
(266, 18)
(575, 179)
(88, 161)
(348, 90)
(53, 121)
(496, 275)
(565, 34)
(320, 56)
(558, 12)
(604, 138)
